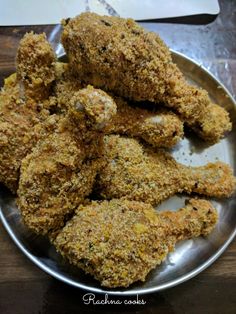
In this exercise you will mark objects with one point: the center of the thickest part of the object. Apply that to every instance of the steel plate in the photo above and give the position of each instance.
(190, 257)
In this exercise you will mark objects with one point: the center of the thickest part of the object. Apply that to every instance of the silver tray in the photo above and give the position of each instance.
(190, 257)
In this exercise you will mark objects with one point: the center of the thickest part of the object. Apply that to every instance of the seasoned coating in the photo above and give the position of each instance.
(120, 242)
(17, 118)
(64, 87)
(143, 174)
(118, 55)
(60, 172)
(160, 128)
(35, 63)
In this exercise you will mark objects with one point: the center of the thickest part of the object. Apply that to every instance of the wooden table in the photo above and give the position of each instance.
(26, 289)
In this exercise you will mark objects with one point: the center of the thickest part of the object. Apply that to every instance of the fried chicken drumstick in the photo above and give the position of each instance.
(35, 63)
(17, 118)
(59, 173)
(120, 242)
(143, 174)
(20, 109)
(161, 128)
(118, 55)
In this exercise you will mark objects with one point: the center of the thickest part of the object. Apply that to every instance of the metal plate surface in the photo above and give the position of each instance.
(190, 257)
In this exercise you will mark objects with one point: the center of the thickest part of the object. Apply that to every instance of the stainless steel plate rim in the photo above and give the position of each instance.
(170, 284)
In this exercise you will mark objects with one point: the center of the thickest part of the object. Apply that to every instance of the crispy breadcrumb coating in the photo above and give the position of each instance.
(52, 127)
(17, 118)
(35, 63)
(143, 174)
(120, 242)
(160, 128)
(118, 55)
(60, 172)
(64, 87)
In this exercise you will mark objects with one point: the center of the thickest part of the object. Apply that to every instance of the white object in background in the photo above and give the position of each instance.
(36, 12)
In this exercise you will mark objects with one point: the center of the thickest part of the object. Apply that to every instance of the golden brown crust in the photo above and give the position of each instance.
(119, 55)
(17, 119)
(35, 64)
(120, 242)
(64, 87)
(143, 174)
(98, 105)
(116, 54)
(198, 217)
(60, 172)
(160, 128)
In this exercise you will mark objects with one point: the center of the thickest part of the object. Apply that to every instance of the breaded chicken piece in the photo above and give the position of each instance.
(66, 84)
(143, 174)
(160, 128)
(22, 104)
(35, 63)
(118, 55)
(17, 118)
(120, 242)
(60, 172)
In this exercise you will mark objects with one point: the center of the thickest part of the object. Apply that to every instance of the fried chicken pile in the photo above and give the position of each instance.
(82, 145)
(118, 55)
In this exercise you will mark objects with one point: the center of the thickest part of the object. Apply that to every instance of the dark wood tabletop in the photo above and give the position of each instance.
(24, 288)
